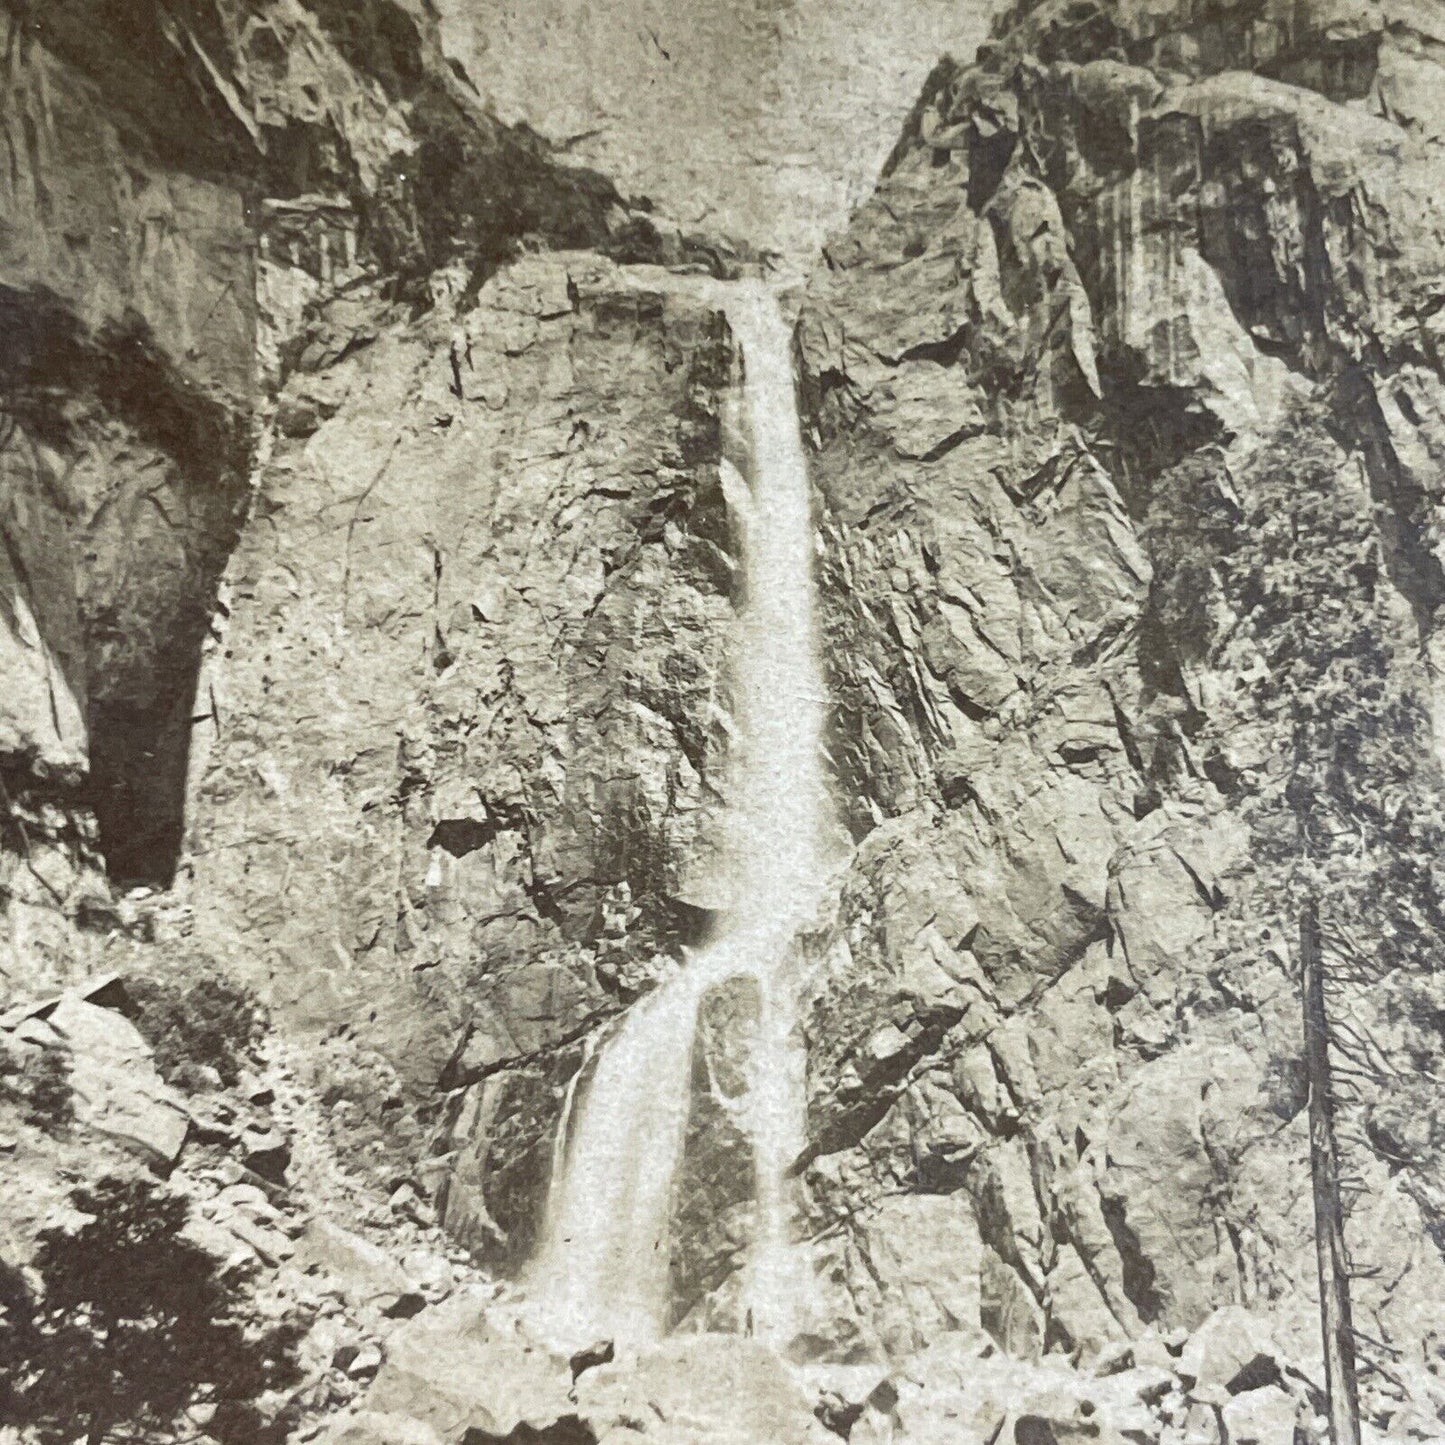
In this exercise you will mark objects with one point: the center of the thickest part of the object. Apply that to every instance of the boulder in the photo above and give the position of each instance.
(1079, 1318)
(365, 1363)
(223, 1244)
(451, 1370)
(117, 1089)
(270, 1246)
(365, 1273)
(950, 1394)
(1233, 1350)
(1202, 1425)
(702, 1390)
(266, 1152)
(1260, 1417)
(372, 1428)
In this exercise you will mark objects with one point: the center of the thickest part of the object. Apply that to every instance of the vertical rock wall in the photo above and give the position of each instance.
(183, 183)
(365, 570)
(777, 113)
(127, 290)
(1126, 392)
(465, 736)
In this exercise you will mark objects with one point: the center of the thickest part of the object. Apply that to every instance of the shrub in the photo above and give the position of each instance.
(39, 1082)
(132, 1325)
(192, 1023)
(47, 1090)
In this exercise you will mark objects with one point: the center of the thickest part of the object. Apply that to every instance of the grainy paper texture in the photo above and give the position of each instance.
(722, 723)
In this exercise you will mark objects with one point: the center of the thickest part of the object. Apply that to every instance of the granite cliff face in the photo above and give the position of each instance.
(183, 183)
(370, 523)
(465, 733)
(367, 570)
(777, 114)
(1127, 399)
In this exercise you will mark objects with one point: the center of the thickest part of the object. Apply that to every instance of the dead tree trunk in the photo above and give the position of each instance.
(1335, 1323)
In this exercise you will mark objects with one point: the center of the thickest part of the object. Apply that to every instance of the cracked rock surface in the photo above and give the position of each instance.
(466, 746)
(367, 566)
(1125, 395)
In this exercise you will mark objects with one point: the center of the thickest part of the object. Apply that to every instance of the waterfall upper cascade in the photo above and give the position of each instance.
(603, 1266)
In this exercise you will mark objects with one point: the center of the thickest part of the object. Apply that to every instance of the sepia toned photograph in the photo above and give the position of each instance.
(722, 722)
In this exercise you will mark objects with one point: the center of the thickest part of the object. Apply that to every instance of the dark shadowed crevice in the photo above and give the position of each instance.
(1341, 67)
(159, 481)
(1146, 431)
(1138, 1269)
(460, 836)
(138, 761)
(378, 38)
(691, 925)
(1256, 172)
(569, 1430)
(946, 352)
(1404, 507)
(857, 1111)
(1082, 33)
(988, 161)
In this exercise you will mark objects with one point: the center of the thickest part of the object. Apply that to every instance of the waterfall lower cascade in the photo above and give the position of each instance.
(603, 1267)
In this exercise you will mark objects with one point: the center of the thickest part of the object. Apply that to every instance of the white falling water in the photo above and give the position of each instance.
(603, 1266)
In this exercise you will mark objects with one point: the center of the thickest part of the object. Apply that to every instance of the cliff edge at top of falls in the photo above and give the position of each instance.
(1126, 390)
(777, 116)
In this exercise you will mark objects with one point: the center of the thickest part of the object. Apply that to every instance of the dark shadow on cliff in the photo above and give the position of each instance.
(149, 502)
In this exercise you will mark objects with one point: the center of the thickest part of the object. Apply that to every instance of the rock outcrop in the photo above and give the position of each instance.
(185, 181)
(466, 730)
(1126, 396)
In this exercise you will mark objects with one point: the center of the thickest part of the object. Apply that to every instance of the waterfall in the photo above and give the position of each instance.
(603, 1266)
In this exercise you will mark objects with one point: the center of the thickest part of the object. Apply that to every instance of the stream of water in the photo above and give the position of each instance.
(602, 1270)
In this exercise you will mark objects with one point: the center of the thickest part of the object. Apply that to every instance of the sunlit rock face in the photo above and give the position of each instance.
(340, 522)
(458, 798)
(183, 181)
(767, 119)
(1126, 394)
(187, 187)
